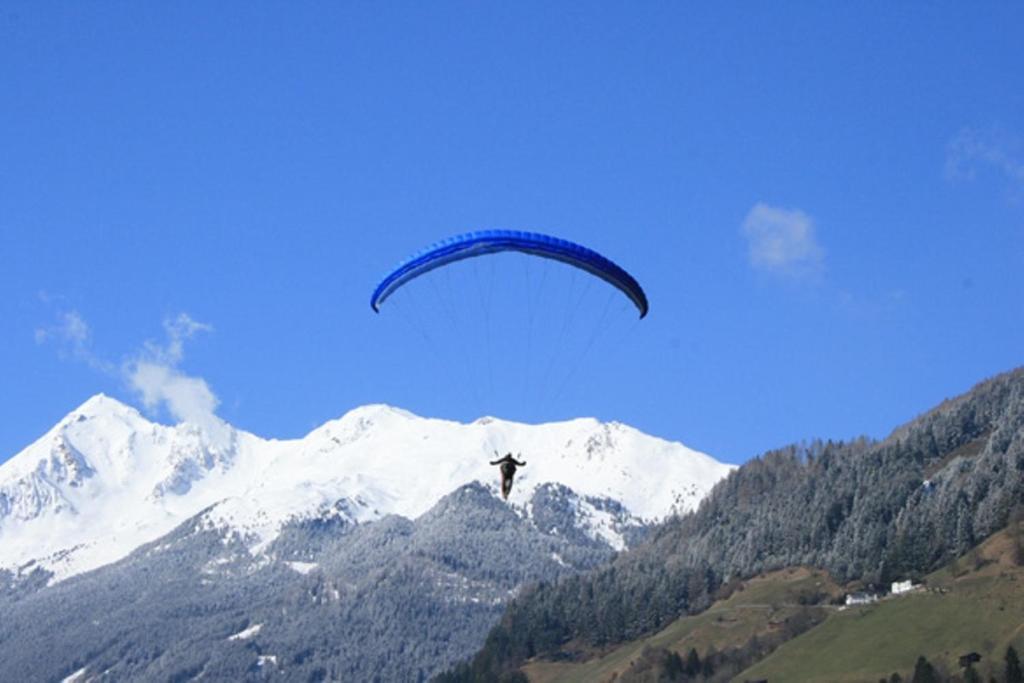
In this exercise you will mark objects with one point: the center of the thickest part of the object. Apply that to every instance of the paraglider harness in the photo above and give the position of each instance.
(508, 471)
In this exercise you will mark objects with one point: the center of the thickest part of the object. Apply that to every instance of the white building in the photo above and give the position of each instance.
(860, 598)
(902, 586)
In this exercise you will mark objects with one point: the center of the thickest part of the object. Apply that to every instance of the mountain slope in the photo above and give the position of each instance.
(374, 548)
(328, 599)
(105, 480)
(863, 511)
(975, 604)
(764, 608)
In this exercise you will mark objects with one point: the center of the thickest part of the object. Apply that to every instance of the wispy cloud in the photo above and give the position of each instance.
(782, 242)
(974, 151)
(178, 330)
(70, 328)
(155, 376)
(153, 373)
(73, 339)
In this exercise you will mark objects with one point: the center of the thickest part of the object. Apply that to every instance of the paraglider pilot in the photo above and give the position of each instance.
(508, 470)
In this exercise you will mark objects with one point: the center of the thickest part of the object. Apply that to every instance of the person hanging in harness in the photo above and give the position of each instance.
(508, 471)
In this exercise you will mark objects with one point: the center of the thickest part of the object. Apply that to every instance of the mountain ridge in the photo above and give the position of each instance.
(105, 479)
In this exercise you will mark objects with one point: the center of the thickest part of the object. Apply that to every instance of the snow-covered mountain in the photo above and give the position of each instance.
(106, 480)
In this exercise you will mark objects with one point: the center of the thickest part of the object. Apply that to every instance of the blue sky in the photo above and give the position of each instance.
(825, 205)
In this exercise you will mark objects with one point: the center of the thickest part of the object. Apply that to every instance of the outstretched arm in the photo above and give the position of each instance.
(520, 464)
(495, 462)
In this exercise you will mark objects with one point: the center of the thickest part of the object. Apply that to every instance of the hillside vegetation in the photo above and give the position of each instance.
(974, 605)
(863, 511)
(778, 605)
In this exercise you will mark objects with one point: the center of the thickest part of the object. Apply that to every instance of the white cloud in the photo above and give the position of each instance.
(70, 328)
(974, 150)
(188, 399)
(153, 373)
(155, 376)
(178, 330)
(782, 241)
(73, 338)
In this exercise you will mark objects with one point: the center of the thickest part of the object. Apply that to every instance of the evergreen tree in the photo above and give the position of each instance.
(674, 667)
(924, 672)
(707, 667)
(693, 666)
(1013, 670)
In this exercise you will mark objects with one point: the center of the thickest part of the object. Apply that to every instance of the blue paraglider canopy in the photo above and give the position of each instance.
(484, 242)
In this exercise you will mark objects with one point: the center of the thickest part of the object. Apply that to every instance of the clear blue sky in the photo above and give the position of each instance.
(825, 204)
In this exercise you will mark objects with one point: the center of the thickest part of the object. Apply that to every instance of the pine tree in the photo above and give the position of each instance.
(707, 667)
(673, 666)
(1013, 670)
(692, 663)
(924, 672)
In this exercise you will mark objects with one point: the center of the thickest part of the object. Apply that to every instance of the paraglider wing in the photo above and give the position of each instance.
(490, 241)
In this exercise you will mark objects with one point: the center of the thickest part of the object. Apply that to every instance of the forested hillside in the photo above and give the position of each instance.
(391, 600)
(864, 511)
(974, 604)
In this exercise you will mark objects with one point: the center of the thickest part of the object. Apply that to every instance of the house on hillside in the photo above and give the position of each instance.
(969, 659)
(860, 599)
(903, 587)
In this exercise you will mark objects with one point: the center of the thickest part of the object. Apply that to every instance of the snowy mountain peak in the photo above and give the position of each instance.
(101, 404)
(362, 419)
(373, 413)
(379, 411)
(100, 408)
(105, 479)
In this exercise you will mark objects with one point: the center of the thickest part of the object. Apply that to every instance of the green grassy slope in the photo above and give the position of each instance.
(975, 604)
(980, 610)
(757, 609)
